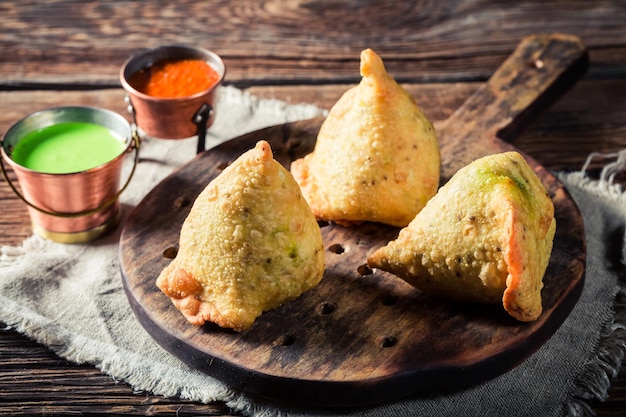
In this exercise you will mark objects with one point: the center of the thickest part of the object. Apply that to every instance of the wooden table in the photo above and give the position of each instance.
(69, 52)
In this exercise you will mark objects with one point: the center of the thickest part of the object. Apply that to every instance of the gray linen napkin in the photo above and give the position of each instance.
(41, 283)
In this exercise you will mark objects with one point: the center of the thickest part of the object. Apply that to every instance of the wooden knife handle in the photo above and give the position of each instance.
(539, 71)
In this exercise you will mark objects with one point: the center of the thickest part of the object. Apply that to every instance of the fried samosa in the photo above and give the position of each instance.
(376, 157)
(485, 237)
(249, 244)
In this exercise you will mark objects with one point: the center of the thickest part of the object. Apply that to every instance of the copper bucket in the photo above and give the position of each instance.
(71, 207)
(171, 118)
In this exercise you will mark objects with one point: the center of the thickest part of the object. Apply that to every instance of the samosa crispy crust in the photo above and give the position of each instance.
(485, 237)
(376, 157)
(249, 244)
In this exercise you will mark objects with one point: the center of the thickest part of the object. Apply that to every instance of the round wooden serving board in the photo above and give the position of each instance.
(363, 337)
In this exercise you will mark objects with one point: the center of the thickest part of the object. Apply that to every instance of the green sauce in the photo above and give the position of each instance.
(67, 147)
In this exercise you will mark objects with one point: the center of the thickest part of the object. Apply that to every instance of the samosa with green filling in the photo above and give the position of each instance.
(249, 244)
(485, 237)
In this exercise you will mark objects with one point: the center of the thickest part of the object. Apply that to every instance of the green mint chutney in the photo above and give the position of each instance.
(67, 147)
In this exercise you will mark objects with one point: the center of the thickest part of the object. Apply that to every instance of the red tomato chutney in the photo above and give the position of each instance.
(174, 78)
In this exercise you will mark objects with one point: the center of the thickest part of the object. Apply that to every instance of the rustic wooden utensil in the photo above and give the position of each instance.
(364, 337)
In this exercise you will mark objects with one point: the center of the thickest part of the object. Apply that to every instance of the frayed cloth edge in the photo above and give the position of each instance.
(10, 255)
(79, 351)
(594, 379)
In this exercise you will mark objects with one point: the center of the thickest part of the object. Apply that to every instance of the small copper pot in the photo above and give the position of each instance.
(170, 118)
(71, 207)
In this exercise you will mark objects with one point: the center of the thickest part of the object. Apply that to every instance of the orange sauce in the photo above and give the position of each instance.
(174, 78)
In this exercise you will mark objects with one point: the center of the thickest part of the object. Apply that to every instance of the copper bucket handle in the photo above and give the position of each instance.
(199, 118)
(135, 146)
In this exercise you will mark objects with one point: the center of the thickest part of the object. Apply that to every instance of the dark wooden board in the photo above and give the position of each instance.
(363, 337)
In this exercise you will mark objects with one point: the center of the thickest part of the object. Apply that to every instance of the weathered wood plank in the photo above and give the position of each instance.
(299, 42)
(65, 388)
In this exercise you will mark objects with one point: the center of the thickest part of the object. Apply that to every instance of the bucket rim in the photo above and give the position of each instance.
(210, 58)
(128, 137)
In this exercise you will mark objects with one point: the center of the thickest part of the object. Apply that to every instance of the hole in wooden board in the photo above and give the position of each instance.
(336, 248)
(284, 340)
(326, 307)
(364, 270)
(170, 253)
(386, 341)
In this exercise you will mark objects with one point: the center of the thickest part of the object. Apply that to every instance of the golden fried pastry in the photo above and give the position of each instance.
(486, 236)
(249, 244)
(376, 157)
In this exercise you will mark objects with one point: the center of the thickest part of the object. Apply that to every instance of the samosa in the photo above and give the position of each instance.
(485, 237)
(376, 157)
(249, 244)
